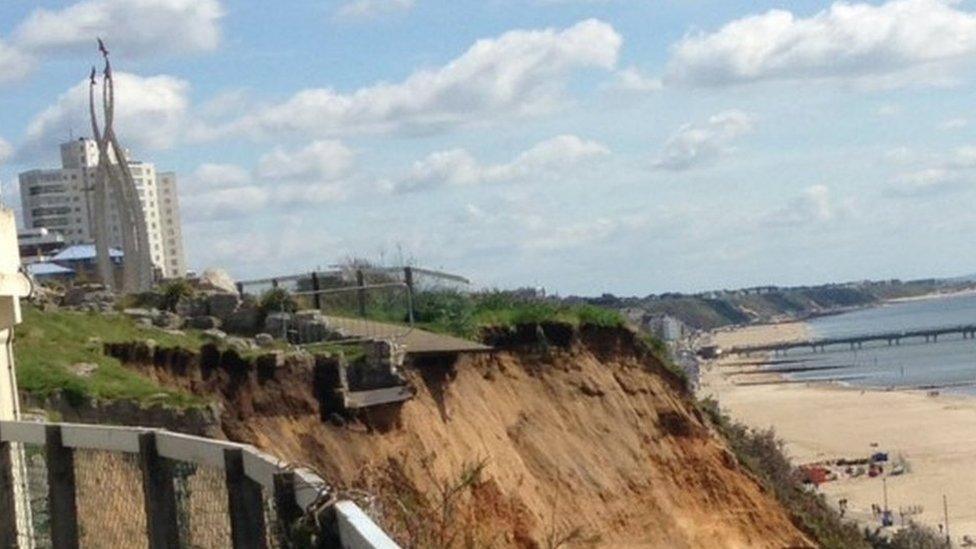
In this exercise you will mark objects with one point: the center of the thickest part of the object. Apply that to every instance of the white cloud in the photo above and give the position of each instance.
(364, 9)
(315, 174)
(815, 205)
(318, 161)
(703, 143)
(632, 80)
(130, 27)
(209, 176)
(151, 112)
(888, 110)
(950, 172)
(954, 124)
(545, 160)
(14, 64)
(900, 41)
(522, 72)
(6, 151)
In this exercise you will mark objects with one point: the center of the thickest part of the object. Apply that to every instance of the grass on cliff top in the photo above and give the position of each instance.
(46, 344)
(465, 315)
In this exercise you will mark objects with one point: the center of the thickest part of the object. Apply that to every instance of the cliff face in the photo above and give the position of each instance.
(591, 442)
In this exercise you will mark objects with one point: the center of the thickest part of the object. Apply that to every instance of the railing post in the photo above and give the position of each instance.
(361, 293)
(8, 512)
(408, 280)
(61, 490)
(245, 503)
(286, 507)
(159, 495)
(316, 298)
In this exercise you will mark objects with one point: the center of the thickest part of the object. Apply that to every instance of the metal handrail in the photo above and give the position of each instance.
(304, 488)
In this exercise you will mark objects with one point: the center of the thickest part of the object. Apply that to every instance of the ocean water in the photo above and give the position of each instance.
(949, 364)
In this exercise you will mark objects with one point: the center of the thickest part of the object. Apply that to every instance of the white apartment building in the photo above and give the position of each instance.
(62, 200)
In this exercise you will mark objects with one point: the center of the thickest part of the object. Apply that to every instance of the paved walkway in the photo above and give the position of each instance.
(416, 341)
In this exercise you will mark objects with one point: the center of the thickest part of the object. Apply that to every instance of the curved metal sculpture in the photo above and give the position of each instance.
(114, 181)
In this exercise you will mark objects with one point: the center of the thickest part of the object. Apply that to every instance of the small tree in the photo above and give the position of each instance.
(277, 300)
(173, 292)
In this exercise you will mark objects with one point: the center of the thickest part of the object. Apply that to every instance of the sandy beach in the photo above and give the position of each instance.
(935, 435)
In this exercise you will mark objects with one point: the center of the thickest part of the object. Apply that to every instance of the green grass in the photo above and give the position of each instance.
(47, 343)
(352, 351)
(465, 315)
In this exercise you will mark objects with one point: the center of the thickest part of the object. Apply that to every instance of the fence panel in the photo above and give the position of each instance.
(111, 510)
(101, 486)
(201, 506)
(37, 493)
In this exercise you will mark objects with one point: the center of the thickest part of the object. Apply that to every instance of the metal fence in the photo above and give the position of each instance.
(105, 486)
(361, 303)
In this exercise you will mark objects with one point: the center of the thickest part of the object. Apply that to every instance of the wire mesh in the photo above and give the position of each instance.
(109, 496)
(273, 532)
(201, 506)
(13, 488)
(37, 490)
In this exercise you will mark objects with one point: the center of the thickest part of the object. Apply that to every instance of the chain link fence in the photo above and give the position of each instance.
(39, 535)
(201, 506)
(108, 492)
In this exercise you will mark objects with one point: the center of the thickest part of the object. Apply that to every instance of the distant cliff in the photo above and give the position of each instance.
(711, 310)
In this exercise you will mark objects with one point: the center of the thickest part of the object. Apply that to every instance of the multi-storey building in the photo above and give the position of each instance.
(170, 228)
(62, 200)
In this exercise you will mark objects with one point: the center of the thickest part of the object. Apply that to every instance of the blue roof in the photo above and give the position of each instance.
(47, 269)
(80, 252)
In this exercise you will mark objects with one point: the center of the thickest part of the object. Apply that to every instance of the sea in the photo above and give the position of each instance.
(948, 365)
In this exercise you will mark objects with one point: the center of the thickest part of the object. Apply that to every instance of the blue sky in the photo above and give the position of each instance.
(588, 146)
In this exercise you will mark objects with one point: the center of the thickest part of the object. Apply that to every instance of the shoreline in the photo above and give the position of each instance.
(932, 295)
(822, 420)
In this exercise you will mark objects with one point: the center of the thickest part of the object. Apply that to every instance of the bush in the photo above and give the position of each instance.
(277, 300)
(912, 536)
(599, 316)
(450, 312)
(173, 292)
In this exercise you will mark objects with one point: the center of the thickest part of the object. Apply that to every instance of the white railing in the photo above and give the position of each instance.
(263, 497)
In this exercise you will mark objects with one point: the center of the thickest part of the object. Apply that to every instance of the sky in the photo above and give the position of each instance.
(584, 146)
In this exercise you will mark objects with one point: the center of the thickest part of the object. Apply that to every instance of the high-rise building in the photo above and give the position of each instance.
(62, 200)
(170, 228)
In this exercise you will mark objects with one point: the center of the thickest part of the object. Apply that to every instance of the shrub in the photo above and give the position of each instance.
(451, 312)
(599, 316)
(912, 536)
(173, 291)
(277, 300)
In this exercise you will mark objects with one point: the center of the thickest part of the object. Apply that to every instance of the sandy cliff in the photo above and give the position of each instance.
(592, 441)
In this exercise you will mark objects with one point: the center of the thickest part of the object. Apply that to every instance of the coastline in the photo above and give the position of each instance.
(828, 421)
(932, 295)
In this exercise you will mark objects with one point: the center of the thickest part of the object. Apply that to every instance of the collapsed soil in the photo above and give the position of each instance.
(594, 443)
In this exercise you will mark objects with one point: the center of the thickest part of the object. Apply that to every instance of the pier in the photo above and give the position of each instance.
(856, 342)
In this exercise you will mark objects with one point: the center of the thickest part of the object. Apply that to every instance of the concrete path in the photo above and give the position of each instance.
(416, 341)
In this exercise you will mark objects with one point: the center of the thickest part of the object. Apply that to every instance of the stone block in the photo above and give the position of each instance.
(264, 339)
(278, 324)
(223, 305)
(205, 322)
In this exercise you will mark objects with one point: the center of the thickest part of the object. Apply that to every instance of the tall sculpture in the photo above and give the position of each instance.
(114, 182)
